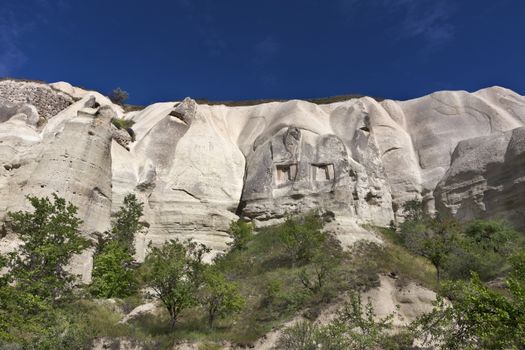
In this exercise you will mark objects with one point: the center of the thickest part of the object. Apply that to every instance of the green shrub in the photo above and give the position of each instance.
(123, 124)
(480, 318)
(175, 274)
(113, 273)
(481, 247)
(301, 237)
(118, 96)
(301, 336)
(50, 237)
(322, 269)
(126, 224)
(355, 327)
(113, 265)
(272, 292)
(29, 322)
(218, 296)
(241, 233)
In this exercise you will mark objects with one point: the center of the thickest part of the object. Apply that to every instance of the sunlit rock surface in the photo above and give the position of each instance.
(198, 167)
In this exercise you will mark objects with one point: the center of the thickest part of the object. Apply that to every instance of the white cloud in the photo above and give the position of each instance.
(428, 20)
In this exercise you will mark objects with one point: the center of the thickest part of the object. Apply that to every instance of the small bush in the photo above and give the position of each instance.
(301, 237)
(241, 233)
(113, 272)
(123, 124)
(301, 336)
(321, 270)
(218, 296)
(118, 96)
(355, 327)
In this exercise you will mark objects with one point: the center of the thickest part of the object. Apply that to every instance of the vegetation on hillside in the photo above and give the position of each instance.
(482, 270)
(37, 289)
(354, 327)
(113, 264)
(263, 281)
(457, 250)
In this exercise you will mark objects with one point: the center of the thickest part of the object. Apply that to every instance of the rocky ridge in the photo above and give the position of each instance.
(198, 167)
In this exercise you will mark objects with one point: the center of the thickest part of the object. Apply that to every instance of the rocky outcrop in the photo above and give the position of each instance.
(198, 167)
(405, 302)
(486, 179)
(47, 100)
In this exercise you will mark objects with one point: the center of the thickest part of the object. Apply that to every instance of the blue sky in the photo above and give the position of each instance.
(244, 49)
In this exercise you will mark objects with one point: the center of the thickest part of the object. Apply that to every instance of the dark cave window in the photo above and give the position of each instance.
(323, 172)
(285, 173)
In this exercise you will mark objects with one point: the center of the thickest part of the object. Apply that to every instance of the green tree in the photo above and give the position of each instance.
(118, 96)
(37, 285)
(50, 236)
(301, 336)
(516, 285)
(484, 248)
(113, 274)
(4, 277)
(126, 224)
(29, 322)
(302, 237)
(322, 267)
(174, 272)
(241, 233)
(113, 264)
(218, 296)
(436, 244)
(479, 317)
(432, 238)
(23, 316)
(414, 211)
(494, 236)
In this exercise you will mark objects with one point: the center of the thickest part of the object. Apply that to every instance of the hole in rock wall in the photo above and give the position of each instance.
(323, 172)
(179, 116)
(285, 173)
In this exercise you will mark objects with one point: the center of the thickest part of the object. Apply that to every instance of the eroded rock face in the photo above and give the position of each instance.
(296, 171)
(47, 101)
(486, 179)
(198, 167)
(70, 156)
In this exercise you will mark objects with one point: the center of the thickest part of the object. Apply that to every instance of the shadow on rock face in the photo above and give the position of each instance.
(294, 171)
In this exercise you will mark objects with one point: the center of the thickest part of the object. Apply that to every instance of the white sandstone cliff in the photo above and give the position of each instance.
(198, 167)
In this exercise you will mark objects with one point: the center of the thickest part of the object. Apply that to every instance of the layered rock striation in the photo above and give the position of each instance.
(198, 167)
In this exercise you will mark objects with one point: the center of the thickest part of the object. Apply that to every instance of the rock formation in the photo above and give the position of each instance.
(198, 167)
(486, 179)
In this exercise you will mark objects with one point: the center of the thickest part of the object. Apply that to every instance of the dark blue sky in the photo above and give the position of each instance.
(244, 49)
